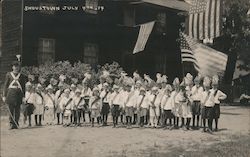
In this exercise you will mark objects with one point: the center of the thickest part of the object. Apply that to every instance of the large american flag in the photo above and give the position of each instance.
(207, 61)
(144, 33)
(204, 19)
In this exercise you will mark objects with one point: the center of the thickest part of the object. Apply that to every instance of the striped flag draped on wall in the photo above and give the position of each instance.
(145, 31)
(207, 61)
(205, 19)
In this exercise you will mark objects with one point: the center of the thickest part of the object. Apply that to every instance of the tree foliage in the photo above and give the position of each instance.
(236, 30)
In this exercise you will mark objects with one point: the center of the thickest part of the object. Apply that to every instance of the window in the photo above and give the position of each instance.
(161, 22)
(90, 53)
(46, 50)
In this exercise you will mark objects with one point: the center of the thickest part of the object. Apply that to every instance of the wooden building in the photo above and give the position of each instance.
(94, 32)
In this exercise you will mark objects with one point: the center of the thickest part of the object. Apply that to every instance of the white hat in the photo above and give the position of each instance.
(142, 89)
(164, 79)
(60, 84)
(66, 90)
(176, 82)
(38, 86)
(115, 86)
(215, 80)
(158, 78)
(95, 89)
(73, 86)
(197, 79)
(189, 79)
(154, 88)
(138, 82)
(105, 84)
(78, 91)
(62, 77)
(168, 87)
(206, 82)
(49, 87)
(28, 84)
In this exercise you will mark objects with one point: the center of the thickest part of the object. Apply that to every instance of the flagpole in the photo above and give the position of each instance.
(21, 29)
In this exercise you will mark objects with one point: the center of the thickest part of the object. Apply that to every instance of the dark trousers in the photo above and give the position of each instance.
(15, 112)
(81, 113)
(59, 116)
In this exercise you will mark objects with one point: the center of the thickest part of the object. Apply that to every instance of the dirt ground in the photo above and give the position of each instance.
(233, 139)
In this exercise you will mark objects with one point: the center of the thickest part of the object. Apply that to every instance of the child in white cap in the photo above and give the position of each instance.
(58, 95)
(114, 103)
(79, 103)
(86, 93)
(196, 93)
(207, 103)
(29, 102)
(95, 104)
(39, 104)
(49, 101)
(176, 105)
(167, 107)
(218, 96)
(142, 104)
(65, 105)
(154, 107)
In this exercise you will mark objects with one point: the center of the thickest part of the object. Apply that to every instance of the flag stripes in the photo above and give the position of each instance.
(145, 31)
(206, 60)
(204, 19)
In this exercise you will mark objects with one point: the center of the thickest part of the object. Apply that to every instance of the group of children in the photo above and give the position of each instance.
(141, 102)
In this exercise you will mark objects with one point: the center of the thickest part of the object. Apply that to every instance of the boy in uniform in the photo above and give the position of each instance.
(129, 107)
(175, 104)
(86, 93)
(95, 103)
(65, 105)
(79, 102)
(49, 100)
(136, 93)
(167, 107)
(196, 93)
(142, 106)
(207, 103)
(154, 106)
(114, 103)
(58, 95)
(105, 96)
(218, 96)
(39, 105)
(29, 102)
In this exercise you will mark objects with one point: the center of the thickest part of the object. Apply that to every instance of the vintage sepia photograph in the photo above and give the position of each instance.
(124, 78)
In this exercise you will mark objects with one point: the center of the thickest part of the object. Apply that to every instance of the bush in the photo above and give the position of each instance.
(77, 70)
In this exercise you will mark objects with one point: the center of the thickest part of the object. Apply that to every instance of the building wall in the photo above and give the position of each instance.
(0, 38)
(115, 39)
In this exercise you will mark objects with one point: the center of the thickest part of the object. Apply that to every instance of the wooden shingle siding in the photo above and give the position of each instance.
(11, 33)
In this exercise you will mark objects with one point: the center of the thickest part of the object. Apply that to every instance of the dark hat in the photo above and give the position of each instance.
(15, 63)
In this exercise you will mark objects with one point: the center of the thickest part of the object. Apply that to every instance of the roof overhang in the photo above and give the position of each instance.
(173, 4)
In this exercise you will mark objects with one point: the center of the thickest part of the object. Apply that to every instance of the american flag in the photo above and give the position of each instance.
(207, 61)
(204, 19)
(145, 31)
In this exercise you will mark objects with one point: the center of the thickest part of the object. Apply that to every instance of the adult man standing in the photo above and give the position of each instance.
(13, 92)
